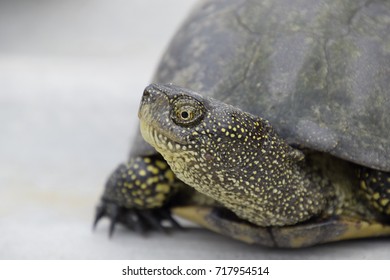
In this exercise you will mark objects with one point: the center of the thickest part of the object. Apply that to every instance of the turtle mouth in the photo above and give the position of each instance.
(160, 139)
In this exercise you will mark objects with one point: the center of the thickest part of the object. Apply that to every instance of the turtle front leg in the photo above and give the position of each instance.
(138, 194)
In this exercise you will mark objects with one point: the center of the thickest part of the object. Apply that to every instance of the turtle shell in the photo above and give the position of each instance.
(319, 71)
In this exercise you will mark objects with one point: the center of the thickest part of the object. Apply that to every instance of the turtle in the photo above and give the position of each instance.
(267, 121)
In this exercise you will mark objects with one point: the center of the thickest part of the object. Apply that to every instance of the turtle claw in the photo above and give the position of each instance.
(114, 219)
(100, 213)
(151, 219)
(140, 221)
(166, 215)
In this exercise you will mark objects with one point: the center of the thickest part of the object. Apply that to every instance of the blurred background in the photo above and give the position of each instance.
(71, 77)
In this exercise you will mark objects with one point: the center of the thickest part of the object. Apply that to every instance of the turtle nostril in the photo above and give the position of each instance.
(147, 91)
(150, 91)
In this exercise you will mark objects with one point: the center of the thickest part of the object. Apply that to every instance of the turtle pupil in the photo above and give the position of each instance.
(184, 115)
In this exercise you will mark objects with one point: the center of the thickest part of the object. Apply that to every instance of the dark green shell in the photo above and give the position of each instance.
(319, 71)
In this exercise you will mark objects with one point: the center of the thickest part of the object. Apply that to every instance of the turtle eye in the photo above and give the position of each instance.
(187, 112)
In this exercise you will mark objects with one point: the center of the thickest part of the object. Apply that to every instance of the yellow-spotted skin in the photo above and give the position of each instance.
(142, 183)
(375, 186)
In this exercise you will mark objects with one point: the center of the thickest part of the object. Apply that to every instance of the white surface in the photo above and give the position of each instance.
(71, 76)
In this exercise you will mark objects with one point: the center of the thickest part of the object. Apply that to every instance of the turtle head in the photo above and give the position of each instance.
(227, 154)
(196, 132)
(169, 115)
